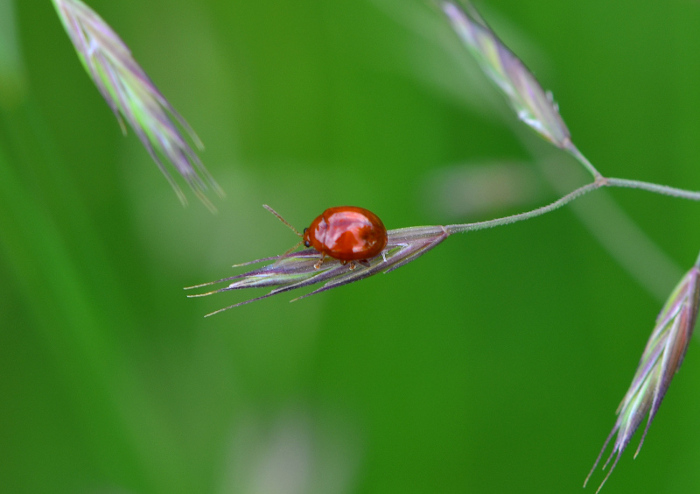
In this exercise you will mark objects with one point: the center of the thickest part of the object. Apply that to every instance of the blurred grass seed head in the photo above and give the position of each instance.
(660, 361)
(532, 104)
(133, 97)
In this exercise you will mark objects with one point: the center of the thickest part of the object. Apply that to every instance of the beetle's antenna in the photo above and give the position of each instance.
(279, 217)
(292, 249)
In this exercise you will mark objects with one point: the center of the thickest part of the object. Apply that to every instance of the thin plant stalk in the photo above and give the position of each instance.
(562, 201)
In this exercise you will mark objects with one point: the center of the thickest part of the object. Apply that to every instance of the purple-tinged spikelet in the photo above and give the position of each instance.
(133, 97)
(660, 361)
(301, 269)
(533, 105)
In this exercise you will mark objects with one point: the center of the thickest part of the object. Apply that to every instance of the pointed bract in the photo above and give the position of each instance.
(301, 269)
(133, 97)
(660, 361)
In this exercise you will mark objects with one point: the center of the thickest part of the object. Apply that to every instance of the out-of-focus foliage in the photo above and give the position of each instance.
(492, 364)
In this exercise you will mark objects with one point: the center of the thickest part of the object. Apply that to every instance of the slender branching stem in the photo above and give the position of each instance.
(562, 201)
(651, 187)
(573, 150)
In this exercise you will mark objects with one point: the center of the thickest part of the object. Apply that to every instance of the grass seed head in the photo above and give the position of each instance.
(660, 361)
(134, 98)
(301, 269)
(532, 104)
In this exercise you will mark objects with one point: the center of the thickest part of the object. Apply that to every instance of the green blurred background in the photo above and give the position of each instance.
(493, 364)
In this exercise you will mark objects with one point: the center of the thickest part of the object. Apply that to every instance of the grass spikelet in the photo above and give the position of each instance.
(135, 100)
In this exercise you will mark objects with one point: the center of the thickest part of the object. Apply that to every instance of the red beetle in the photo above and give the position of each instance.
(346, 233)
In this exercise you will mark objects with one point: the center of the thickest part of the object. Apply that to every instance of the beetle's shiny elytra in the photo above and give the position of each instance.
(347, 233)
